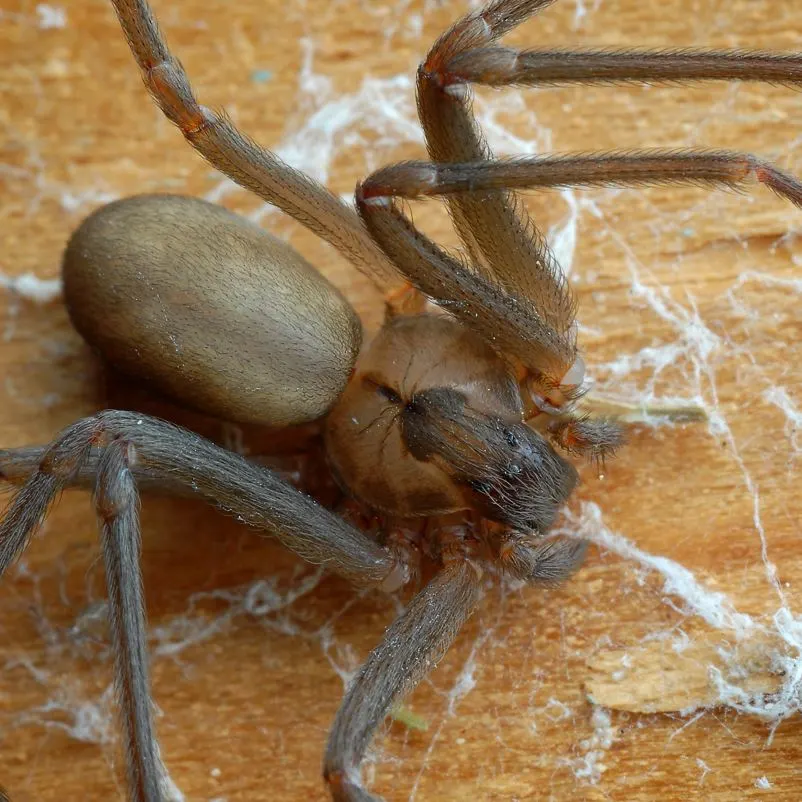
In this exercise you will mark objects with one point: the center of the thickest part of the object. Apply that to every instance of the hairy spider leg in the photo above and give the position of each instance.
(117, 441)
(411, 647)
(511, 287)
(215, 137)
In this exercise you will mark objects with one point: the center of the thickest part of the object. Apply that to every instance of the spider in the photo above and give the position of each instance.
(447, 428)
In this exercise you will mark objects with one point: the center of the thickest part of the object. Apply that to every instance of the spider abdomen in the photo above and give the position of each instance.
(210, 309)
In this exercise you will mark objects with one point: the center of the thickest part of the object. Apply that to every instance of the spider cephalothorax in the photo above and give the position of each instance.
(448, 427)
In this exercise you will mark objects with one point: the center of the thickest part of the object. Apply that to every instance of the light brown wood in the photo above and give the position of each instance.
(658, 677)
(695, 295)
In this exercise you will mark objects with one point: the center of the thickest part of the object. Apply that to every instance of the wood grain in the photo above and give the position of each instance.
(683, 294)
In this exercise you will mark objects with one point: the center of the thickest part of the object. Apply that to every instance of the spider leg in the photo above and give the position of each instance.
(180, 458)
(119, 444)
(117, 504)
(509, 320)
(495, 229)
(532, 559)
(505, 247)
(228, 150)
(503, 316)
(503, 242)
(18, 464)
(643, 167)
(507, 66)
(412, 645)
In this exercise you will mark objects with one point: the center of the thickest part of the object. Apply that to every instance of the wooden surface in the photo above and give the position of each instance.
(684, 295)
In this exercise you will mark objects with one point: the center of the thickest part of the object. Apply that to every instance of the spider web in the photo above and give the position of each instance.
(653, 336)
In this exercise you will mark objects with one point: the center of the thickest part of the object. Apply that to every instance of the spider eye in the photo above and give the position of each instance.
(512, 440)
(382, 389)
(388, 393)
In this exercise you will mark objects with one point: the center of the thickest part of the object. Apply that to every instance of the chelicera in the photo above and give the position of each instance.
(448, 426)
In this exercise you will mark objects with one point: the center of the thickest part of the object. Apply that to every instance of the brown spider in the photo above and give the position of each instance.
(447, 418)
